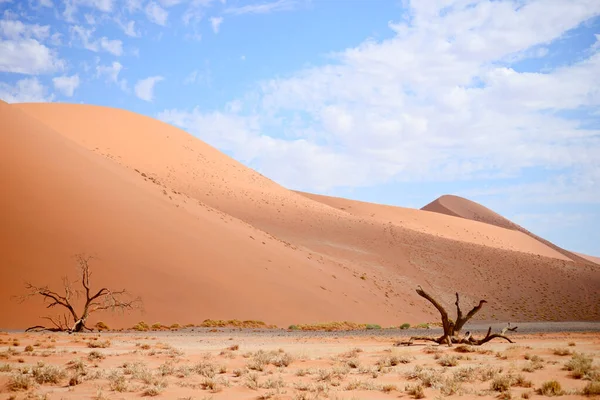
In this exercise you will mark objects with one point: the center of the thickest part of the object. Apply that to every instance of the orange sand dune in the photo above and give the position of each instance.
(467, 209)
(154, 201)
(188, 261)
(442, 226)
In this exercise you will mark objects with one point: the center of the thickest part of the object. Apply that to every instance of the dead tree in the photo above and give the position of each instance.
(452, 328)
(71, 321)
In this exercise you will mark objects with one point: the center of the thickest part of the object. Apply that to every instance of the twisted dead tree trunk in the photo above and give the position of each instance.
(71, 321)
(452, 328)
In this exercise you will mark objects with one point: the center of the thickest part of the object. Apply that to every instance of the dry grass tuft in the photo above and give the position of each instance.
(580, 365)
(592, 389)
(562, 352)
(448, 361)
(19, 381)
(99, 344)
(550, 388)
(416, 391)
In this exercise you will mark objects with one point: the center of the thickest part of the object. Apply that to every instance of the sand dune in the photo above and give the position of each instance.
(199, 235)
(188, 261)
(467, 209)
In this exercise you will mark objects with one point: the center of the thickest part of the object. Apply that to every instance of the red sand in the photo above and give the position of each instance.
(198, 235)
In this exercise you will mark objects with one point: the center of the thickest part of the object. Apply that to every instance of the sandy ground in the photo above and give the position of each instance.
(249, 364)
(198, 235)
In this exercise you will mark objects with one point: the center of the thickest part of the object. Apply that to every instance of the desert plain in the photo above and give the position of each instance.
(204, 363)
(200, 237)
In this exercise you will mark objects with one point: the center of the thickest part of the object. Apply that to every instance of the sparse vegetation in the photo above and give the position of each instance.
(19, 381)
(416, 391)
(592, 389)
(580, 365)
(99, 344)
(550, 388)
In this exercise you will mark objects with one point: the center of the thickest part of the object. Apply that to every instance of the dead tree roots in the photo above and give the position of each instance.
(452, 328)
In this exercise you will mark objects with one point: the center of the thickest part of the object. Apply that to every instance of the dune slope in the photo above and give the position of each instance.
(344, 259)
(470, 210)
(187, 260)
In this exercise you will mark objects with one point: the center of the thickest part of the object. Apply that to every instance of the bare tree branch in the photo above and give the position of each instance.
(103, 299)
(452, 329)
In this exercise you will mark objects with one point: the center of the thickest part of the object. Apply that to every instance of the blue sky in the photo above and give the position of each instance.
(388, 101)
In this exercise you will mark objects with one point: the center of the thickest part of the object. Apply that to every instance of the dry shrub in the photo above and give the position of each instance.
(416, 391)
(448, 361)
(464, 348)
(99, 344)
(19, 381)
(101, 326)
(234, 323)
(550, 388)
(392, 361)
(561, 352)
(501, 383)
(95, 355)
(117, 382)
(141, 326)
(48, 374)
(429, 377)
(533, 365)
(592, 389)
(580, 365)
(205, 369)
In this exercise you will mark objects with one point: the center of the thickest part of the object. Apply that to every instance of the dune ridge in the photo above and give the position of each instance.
(209, 228)
(470, 210)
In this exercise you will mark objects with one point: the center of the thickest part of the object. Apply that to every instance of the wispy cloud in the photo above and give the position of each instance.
(156, 13)
(215, 23)
(263, 8)
(85, 36)
(405, 108)
(111, 74)
(66, 84)
(144, 88)
(28, 90)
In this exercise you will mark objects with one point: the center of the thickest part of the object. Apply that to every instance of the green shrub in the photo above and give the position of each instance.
(405, 325)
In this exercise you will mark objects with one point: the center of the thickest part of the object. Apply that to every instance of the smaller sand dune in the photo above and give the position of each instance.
(467, 209)
(446, 226)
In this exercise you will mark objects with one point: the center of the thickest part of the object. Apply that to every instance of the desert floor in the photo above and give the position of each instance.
(262, 364)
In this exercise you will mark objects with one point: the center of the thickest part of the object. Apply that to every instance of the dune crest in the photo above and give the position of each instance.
(470, 210)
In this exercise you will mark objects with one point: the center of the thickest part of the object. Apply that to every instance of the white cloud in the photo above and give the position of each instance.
(263, 8)
(28, 56)
(66, 84)
(113, 46)
(128, 28)
(28, 90)
(133, 5)
(71, 7)
(199, 77)
(215, 23)
(90, 19)
(144, 88)
(156, 13)
(111, 73)
(432, 103)
(46, 3)
(12, 29)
